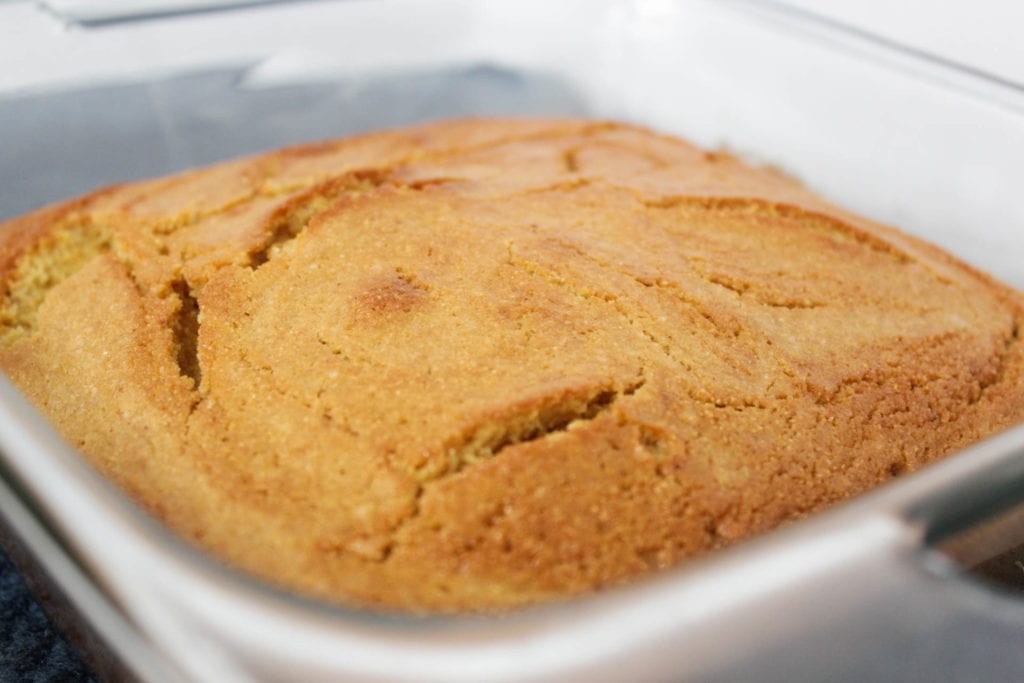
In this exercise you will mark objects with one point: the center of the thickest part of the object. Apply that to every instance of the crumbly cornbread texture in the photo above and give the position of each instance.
(477, 364)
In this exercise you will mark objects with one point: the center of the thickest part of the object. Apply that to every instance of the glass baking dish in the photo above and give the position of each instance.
(873, 590)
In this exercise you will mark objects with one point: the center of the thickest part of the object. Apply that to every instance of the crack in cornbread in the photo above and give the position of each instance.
(478, 364)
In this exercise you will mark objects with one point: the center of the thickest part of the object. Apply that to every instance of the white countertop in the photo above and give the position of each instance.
(981, 35)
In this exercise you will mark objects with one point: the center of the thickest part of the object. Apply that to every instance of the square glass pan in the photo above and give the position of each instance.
(853, 594)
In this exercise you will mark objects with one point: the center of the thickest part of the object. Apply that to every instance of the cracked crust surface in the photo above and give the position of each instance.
(478, 364)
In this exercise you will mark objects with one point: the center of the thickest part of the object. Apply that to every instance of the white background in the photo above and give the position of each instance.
(984, 34)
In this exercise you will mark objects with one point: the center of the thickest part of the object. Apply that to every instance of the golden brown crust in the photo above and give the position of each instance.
(21, 233)
(476, 364)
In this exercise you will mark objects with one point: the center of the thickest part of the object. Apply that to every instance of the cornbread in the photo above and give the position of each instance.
(478, 364)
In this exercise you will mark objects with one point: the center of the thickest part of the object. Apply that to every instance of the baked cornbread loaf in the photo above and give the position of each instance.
(478, 364)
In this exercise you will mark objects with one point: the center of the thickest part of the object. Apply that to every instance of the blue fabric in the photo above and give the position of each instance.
(31, 648)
